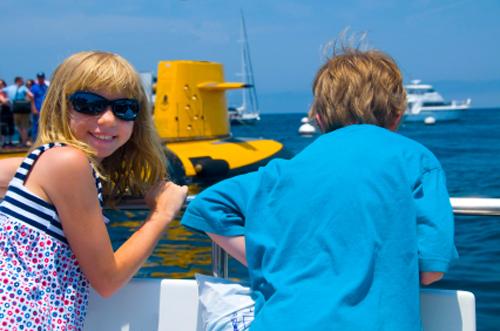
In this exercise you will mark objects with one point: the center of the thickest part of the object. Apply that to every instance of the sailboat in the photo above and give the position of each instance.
(248, 112)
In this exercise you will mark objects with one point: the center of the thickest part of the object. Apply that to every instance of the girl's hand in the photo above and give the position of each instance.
(165, 199)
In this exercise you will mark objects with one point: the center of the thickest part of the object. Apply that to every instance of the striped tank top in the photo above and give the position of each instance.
(41, 284)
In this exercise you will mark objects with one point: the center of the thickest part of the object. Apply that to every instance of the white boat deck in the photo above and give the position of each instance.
(172, 305)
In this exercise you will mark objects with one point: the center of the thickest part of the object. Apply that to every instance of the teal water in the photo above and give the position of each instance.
(469, 151)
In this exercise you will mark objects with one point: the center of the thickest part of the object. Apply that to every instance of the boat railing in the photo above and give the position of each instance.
(461, 207)
(460, 103)
(174, 304)
(476, 206)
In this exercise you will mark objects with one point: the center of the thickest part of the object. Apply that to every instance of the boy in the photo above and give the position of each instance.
(337, 237)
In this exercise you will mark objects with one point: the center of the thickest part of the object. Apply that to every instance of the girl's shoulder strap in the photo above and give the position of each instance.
(98, 184)
(27, 164)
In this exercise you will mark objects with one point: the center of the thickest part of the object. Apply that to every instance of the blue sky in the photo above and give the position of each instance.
(450, 43)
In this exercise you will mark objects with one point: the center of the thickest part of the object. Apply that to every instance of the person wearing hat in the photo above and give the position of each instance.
(39, 89)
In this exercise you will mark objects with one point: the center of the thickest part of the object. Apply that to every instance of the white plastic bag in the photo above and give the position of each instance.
(225, 305)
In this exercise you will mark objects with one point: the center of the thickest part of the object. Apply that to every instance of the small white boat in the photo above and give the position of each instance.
(248, 112)
(423, 102)
(306, 128)
(240, 116)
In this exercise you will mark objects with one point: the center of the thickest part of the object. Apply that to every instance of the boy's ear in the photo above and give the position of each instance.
(395, 123)
(319, 121)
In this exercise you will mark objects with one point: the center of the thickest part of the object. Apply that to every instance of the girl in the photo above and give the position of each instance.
(95, 124)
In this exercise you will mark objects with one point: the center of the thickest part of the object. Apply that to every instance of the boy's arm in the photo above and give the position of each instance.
(435, 226)
(234, 246)
(220, 212)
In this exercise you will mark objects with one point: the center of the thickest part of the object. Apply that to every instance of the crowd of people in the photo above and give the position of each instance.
(20, 105)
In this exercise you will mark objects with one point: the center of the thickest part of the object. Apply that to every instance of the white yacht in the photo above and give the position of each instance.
(424, 104)
(248, 112)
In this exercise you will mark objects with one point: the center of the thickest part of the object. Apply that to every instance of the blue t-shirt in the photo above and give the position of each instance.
(15, 92)
(39, 91)
(336, 236)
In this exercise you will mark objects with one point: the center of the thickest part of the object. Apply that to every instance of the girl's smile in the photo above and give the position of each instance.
(104, 132)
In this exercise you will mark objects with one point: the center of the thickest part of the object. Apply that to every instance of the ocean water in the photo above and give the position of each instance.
(469, 151)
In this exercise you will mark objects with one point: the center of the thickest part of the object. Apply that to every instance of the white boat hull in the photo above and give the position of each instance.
(244, 118)
(172, 305)
(438, 115)
(307, 129)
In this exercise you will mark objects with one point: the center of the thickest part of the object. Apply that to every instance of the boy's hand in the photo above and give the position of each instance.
(427, 278)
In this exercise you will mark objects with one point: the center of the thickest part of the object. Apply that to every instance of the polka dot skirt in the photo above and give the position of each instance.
(41, 284)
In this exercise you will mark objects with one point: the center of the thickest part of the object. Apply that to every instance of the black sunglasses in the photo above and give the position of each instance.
(94, 104)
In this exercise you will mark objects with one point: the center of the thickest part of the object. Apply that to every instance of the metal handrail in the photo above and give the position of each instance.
(476, 206)
(220, 261)
(461, 206)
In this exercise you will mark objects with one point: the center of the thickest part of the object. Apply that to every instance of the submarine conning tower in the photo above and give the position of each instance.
(190, 101)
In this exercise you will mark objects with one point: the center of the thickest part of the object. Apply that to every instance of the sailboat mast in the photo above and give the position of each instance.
(244, 69)
(248, 69)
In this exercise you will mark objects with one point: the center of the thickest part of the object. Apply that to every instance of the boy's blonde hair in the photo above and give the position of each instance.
(141, 161)
(358, 87)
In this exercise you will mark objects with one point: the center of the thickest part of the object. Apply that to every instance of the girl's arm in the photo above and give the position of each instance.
(8, 168)
(64, 177)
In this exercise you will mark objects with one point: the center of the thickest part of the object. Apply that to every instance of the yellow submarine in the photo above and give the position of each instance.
(190, 114)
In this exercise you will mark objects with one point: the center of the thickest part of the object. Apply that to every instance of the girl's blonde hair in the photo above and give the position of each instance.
(141, 161)
(358, 87)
